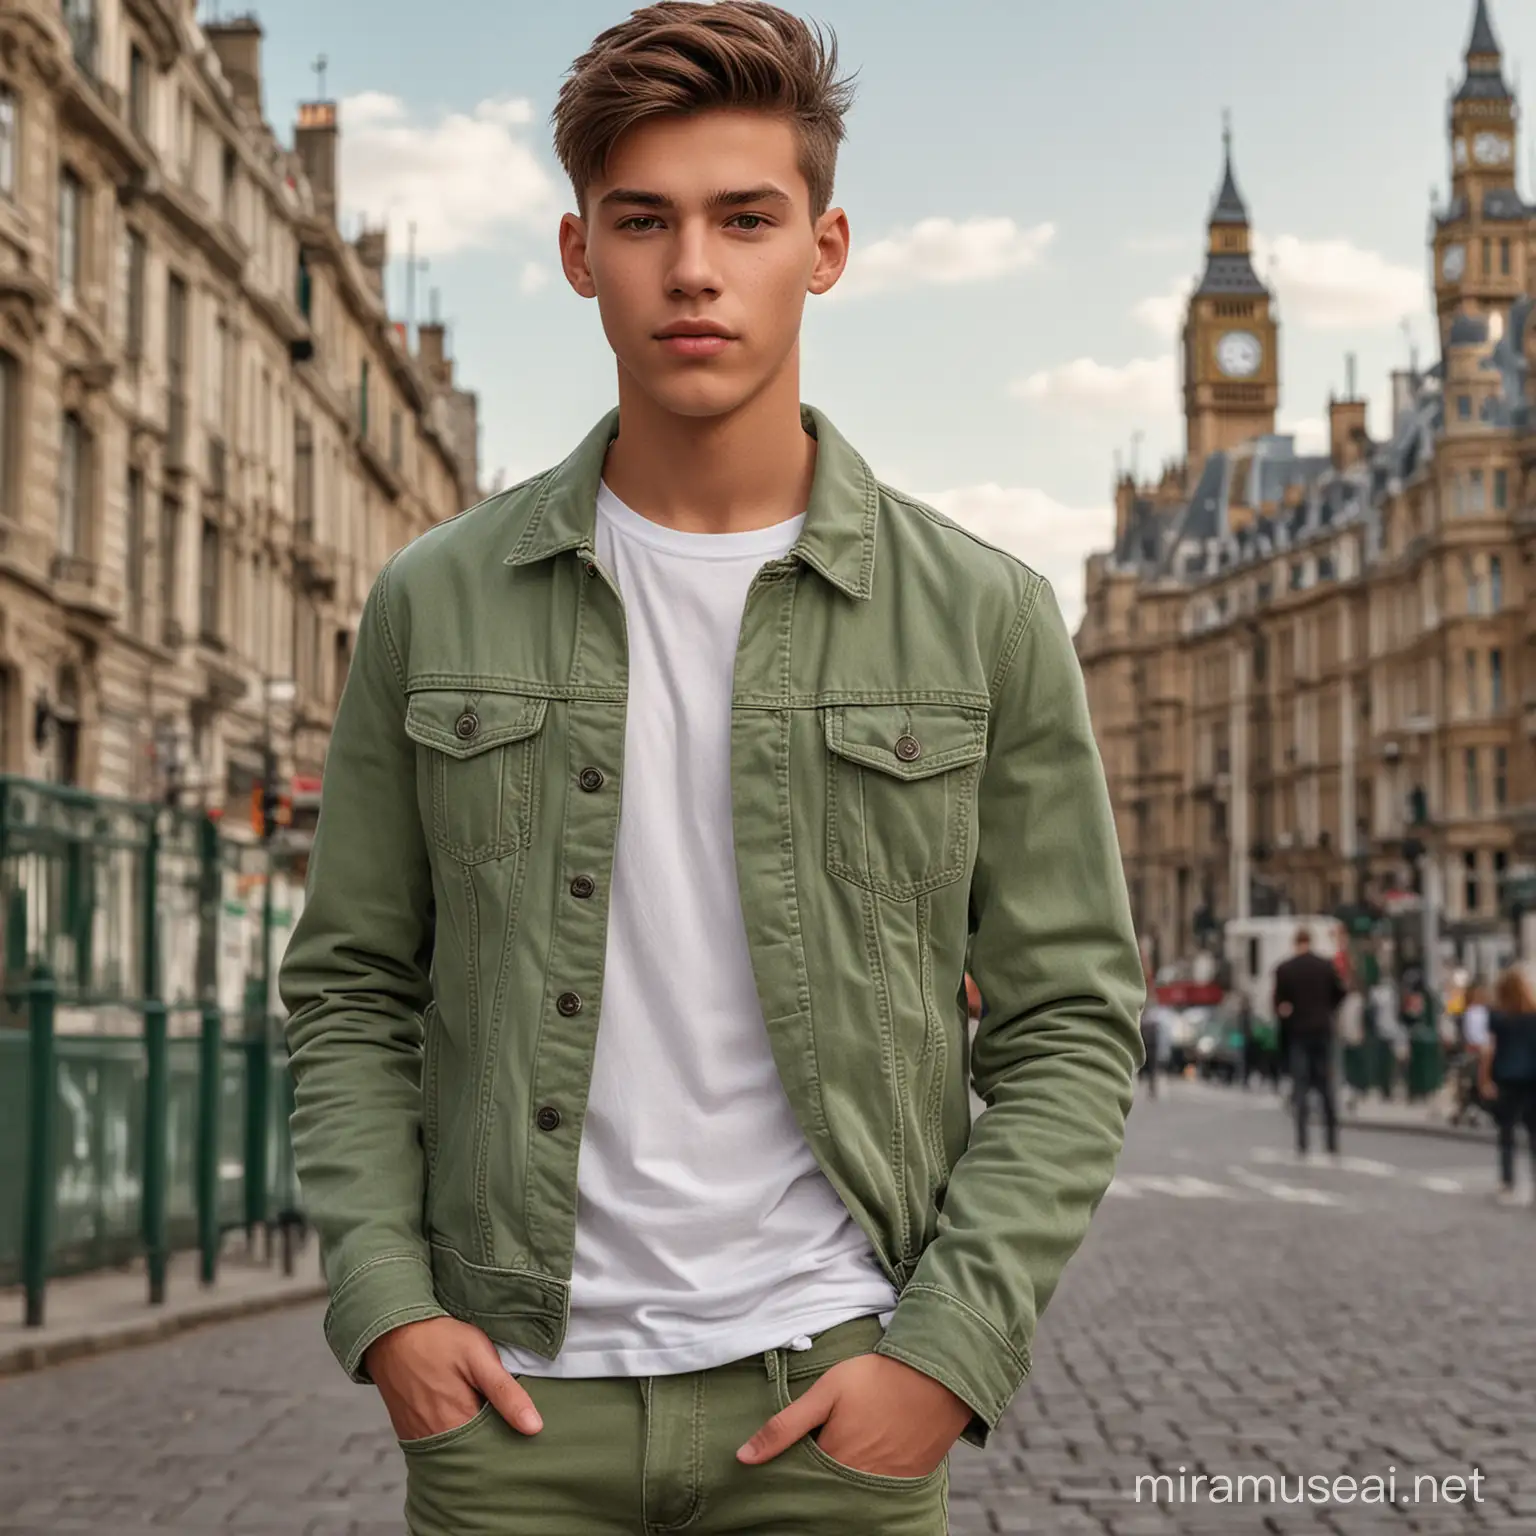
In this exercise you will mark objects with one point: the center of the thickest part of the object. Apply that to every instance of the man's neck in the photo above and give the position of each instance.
(717, 474)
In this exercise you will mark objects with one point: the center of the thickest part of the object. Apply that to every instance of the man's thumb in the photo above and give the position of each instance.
(788, 1425)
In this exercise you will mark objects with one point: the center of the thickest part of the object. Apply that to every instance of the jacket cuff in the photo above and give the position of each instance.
(382, 1294)
(940, 1336)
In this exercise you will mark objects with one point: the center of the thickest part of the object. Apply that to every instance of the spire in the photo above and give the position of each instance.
(1230, 207)
(1483, 43)
(1485, 75)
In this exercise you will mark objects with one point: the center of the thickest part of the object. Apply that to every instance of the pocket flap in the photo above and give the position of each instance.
(907, 741)
(462, 722)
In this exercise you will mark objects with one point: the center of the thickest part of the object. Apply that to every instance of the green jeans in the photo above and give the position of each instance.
(641, 1456)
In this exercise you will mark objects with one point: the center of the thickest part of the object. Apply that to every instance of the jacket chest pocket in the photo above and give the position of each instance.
(477, 761)
(901, 793)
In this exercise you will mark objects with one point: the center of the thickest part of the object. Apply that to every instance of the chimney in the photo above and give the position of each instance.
(1125, 501)
(237, 44)
(432, 350)
(372, 247)
(315, 140)
(1347, 437)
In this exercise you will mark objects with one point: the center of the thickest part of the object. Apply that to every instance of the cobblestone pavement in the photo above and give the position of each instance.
(1232, 1313)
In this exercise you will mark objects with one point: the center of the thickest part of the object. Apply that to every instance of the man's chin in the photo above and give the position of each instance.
(700, 397)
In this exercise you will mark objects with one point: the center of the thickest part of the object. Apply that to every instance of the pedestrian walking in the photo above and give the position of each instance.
(671, 794)
(1308, 991)
(1508, 1076)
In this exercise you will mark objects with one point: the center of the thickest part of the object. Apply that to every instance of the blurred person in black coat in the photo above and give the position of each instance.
(1308, 991)
(1507, 1073)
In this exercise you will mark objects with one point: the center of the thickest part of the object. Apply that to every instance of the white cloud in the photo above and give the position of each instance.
(943, 251)
(534, 276)
(1143, 386)
(462, 177)
(1334, 285)
(1053, 538)
(1157, 243)
(1164, 312)
(1311, 433)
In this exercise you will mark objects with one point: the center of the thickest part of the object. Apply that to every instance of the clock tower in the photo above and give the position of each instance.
(1231, 360)
(1479, 239)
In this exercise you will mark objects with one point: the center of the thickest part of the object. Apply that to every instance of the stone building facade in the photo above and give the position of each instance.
(1313, 677)
(212, 434)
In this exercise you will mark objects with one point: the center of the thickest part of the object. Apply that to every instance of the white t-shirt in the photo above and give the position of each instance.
(1474, 1025)
(705, 1230)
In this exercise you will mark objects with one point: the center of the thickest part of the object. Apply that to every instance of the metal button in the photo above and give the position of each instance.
(908, 748)
(591, 567)
(583, 886)
(466, 725)
(547, 1118)
(568, 1003)
(591, 778)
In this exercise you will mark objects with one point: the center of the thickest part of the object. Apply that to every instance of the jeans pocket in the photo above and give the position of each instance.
(426, 1444)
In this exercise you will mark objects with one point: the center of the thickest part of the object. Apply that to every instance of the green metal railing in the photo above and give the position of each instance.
(140, 1113)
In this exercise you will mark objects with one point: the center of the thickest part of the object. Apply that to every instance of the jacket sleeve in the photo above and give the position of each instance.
(1054, 954)
(355, 981)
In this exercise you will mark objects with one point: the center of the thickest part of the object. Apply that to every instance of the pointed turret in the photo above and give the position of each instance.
(1485, 64)
(1230, 207)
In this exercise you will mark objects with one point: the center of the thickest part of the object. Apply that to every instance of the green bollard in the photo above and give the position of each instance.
(258, 1079)
(209, 1098)
(42, 1093)
(156, 1118)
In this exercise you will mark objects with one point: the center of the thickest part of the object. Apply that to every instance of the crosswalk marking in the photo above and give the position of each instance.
(1250, 1184)
(1296, 1194)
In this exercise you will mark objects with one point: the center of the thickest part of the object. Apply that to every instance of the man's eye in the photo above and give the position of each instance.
(636, 221)
(750, 221)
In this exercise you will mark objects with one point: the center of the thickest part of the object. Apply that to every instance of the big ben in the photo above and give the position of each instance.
(1479, 239)
(1231, 338)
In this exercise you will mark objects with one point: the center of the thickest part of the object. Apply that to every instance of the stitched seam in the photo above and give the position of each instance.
(398, 1256)
(1020, 1360)
(483, 1065)
(938, 520)
(896, 1078)
(1027, 606)
(935, 1054)
(384, 625)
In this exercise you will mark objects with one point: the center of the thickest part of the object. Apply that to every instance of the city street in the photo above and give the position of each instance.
(1232, 1313)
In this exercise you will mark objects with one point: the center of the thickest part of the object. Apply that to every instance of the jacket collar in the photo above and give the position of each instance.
(838, 539)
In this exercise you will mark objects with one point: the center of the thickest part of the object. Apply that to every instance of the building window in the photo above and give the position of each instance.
(362, 399)
(1297, 574)
(7, 141)
(71, 195)
(1325, 569)
(1469, 873)
(210, 558)
(1501, 489)
(1471, 663)
(397, 454)
(218, 369)
(1501, 777)
(74, 484)
(1464, 407)
(1504, 257)
(170, 568)
(10, 436)
(138, 91)
(135, 540)
(1473, 797)
(1487, 256)
(138, 259)
(1495, 584)
(228, 193)
(1496, 680)
(1473, 586)
(1475, 491)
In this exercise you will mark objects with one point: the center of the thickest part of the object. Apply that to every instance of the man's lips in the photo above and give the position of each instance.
(695, 338)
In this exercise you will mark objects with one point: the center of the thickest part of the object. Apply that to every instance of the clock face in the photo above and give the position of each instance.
(1238, 354)
(1454, 262)
(1461, 153)
(1491, 149)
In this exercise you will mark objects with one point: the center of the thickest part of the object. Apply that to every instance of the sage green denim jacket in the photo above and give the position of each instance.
(915, 788)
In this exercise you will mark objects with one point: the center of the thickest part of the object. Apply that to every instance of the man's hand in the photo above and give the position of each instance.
(432, 1376)
(881, 1416)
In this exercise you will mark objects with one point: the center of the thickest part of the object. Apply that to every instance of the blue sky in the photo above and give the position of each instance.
(1027, 182)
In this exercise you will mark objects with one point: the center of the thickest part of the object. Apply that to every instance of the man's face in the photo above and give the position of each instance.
(699, 246)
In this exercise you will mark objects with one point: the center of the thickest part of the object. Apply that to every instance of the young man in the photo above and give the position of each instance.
(671, 795)
(1308, 991)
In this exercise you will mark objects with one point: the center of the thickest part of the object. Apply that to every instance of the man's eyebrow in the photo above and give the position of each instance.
(634, 197)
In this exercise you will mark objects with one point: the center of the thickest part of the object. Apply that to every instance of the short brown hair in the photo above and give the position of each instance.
(1302, 938)
(681, 57)
(1513, 992)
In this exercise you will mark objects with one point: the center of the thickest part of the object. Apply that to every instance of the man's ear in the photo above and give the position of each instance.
(832, 244)
(573, 255)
